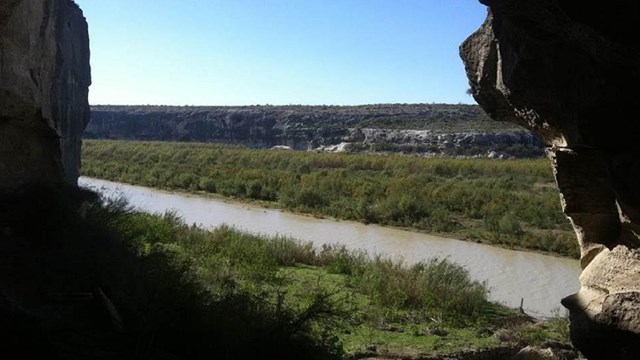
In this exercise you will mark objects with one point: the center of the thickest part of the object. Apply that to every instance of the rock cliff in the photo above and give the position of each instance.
(433, 129)
(567, 71)
(44, 80)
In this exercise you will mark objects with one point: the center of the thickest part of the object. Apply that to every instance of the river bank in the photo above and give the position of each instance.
(111, 282)
(511, 275)
(377, 307)
(511, 203)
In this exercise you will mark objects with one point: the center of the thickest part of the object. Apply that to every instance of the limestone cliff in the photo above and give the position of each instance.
(568, 72)
(44, 80)
(433, 129)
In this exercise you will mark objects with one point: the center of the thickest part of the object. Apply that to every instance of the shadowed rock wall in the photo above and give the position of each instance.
(44, 80)
(570, 73)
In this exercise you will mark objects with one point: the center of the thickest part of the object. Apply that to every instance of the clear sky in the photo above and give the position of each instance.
(245, 52)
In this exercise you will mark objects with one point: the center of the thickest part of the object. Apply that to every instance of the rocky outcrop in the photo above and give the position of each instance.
(435, 129)
(567, 71)
(500, 143)
(44, 80)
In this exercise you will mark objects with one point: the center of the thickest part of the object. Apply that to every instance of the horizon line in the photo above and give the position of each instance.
(291, 105)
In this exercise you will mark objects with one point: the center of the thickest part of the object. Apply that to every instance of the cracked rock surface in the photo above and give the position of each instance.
(44, 81)
(567, 72)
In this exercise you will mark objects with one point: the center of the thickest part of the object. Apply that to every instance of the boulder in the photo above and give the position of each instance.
(533, 353)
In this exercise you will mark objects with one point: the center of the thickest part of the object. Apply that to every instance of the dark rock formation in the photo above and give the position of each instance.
(437, 129)
(567, 71)
(44, 80)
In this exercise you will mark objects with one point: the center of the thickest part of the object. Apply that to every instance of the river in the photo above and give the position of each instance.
(540, 280)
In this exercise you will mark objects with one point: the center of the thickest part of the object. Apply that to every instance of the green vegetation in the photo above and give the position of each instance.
(175, 298)
(512, 203)
(183, 292)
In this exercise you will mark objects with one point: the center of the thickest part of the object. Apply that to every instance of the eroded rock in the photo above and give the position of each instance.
(44, 80)
(425, 129)
(533, 353)
(567, 72)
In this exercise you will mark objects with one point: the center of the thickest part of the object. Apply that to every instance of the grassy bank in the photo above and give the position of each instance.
(512, 203)
(94, 280)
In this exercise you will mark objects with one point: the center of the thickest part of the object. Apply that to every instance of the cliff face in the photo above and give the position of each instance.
(419, 128)
(567, 72)
(44, 80)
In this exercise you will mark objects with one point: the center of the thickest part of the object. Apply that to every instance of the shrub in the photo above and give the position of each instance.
(208, 185)
(310, 198)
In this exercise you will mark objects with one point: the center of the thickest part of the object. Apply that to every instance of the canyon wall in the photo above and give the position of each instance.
(430, 129)
(44, 80)
(568, 72)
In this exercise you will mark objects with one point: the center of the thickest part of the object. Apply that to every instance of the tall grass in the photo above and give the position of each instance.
(436, 287)
(386, 282)
(513, 203)
(178, 297)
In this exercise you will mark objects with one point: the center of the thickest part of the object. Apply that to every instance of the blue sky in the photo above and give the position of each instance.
(244, 52)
